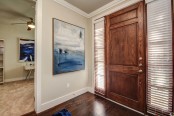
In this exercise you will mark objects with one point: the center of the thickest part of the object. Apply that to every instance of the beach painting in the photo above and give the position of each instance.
(26, 50)
(68, 47)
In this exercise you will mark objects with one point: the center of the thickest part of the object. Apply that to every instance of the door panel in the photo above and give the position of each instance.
(125, 56)
(128, 83)
(123, 17)
(120, 53)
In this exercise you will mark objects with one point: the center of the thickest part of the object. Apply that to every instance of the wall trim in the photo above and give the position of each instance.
(91, 90)
(106, 7)
(38, 56)
(148, 1)
(79, 11)
(16, 79)
(115, 9)
(72, 7)
(57, 101)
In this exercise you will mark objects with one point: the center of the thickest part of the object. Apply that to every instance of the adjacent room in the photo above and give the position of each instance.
(17, 38)
(87, 57)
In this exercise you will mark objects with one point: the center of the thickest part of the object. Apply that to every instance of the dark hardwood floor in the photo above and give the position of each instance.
(89, 105)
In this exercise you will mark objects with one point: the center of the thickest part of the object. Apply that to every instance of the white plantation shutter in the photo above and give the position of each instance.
(160, 64)
(99, 56)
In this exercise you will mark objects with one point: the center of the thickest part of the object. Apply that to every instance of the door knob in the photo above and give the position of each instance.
(140, 71)
(140, 64)
(140, 58)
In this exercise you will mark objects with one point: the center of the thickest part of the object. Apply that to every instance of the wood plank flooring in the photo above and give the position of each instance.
(89, 105)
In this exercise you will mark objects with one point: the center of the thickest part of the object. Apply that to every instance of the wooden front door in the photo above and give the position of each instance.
(125, 57)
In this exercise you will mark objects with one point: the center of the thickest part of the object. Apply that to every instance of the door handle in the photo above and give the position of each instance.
(140, 71)
(140, 64)
(140, 58)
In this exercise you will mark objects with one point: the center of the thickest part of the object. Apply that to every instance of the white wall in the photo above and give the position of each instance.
(53, 87)
(11, 33)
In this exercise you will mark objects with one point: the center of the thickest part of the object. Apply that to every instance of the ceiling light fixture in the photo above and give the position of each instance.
(31, 24)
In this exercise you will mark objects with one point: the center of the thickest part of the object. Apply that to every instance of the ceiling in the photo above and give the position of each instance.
(12, 11)
(88, 6)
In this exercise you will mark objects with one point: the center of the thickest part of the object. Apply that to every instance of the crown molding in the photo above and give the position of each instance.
(105, 7)
(72, 7)
(115, 9)
(148, 1)
(92, 14)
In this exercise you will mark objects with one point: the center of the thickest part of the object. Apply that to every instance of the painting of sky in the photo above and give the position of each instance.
(69, 49)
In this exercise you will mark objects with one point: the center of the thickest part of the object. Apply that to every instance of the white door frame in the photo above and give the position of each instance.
(38, 56)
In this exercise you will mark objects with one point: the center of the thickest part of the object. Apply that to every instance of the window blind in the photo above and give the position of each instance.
(159, 54)
(99, 57)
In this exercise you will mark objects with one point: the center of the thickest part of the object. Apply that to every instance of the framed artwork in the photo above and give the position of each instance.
(68, 47)
(26, 50)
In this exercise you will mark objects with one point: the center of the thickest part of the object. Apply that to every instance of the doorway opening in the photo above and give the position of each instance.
(17, 56)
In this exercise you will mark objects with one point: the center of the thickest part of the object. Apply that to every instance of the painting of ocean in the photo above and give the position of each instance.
(26, 50)
(68, 47)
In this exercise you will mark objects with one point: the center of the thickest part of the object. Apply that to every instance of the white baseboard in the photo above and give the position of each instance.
(62, 99)
(16, 79)
(91, 90)
(74, 94)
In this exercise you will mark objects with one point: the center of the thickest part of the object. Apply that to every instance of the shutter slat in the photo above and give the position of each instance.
(160, 64)
(99, 57)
